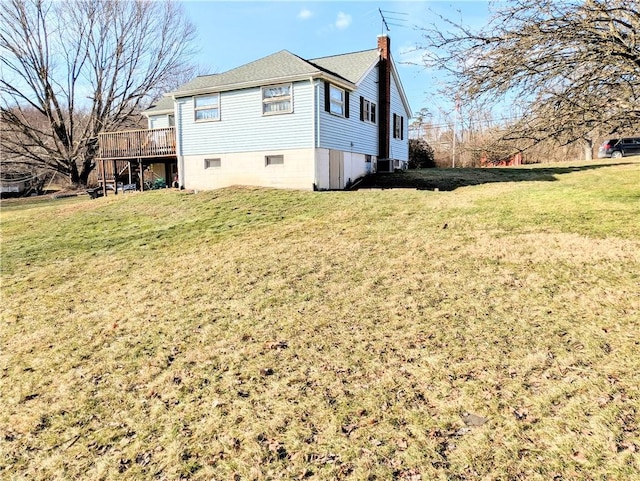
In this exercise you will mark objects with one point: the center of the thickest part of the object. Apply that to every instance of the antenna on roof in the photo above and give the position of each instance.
(384, 22)
(384, 14)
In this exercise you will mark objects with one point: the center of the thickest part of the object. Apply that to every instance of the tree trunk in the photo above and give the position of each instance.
(87, 167)
(75, 69)
(74, 176)
(89, 160)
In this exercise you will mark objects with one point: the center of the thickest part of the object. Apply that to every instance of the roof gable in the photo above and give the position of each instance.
(350, 66)
(273, 68)
(283, 66)
(348, 69)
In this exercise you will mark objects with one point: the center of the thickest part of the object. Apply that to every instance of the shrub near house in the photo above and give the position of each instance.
(421, 154)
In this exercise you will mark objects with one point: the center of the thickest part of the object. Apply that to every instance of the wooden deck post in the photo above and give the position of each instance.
(141, 175)
(104, 180)
(115, 178)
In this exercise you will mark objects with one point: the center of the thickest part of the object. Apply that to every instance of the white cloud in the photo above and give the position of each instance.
(305, 14)
(343, 20)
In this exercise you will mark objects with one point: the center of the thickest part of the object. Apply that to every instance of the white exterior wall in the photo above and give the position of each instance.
(158, 121)
(354, 166)
(242, 126)
(248, 168)
(322, 168)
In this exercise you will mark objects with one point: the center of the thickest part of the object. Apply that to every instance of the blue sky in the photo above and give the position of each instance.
(231, 34)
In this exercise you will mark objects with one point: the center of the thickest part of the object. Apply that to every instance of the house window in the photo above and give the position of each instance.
(368, 110)
(274, 160)
(336, 99)
(398, 127)
(207, 107)
(276, 99)
(212, 163)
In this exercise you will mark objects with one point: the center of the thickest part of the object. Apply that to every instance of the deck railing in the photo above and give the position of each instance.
(138, 143)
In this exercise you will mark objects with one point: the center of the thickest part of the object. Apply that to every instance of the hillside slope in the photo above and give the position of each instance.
(489, 332)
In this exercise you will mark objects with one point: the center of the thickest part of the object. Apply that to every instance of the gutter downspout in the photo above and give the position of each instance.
(180, 157)
(315, 116)
(313, 112)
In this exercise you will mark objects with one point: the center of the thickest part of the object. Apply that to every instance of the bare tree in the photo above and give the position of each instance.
(71, 69)
(572, 65)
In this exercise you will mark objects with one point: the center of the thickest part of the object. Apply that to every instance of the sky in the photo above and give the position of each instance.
(231, 34)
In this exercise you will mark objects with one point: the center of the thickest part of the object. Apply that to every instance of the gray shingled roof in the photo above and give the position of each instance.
(282, 65)
(276, 66)
(351, 66)
(164, 104)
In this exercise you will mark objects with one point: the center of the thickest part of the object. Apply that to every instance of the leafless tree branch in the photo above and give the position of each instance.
(573, 66)
(72, 69)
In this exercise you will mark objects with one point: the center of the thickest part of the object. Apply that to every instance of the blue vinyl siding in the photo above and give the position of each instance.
(352, 134)
(243, 128)
(398, 149)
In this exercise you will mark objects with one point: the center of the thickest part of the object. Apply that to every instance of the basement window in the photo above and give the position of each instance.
(274, 160)
(212, 163)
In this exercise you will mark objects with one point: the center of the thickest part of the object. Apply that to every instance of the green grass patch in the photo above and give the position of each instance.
(261, 334)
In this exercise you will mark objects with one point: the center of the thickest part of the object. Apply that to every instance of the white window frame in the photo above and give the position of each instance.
(273, 160)
(207, 107)
(370, 114)
(337, 103)
(212, 163)
(277, 99)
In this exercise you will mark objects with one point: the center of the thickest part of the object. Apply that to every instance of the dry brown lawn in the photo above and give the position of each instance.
(487, 332)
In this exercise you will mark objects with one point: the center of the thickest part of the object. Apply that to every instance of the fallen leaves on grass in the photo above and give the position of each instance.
(471, 419)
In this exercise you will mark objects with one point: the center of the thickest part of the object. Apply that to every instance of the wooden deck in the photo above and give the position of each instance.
(138, 144)
(124, 158)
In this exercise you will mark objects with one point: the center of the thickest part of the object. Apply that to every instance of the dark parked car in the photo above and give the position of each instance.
(616, 148)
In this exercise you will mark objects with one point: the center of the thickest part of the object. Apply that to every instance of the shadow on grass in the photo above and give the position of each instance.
(451, 179)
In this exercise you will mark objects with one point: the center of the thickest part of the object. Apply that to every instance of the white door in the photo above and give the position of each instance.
(336, 169)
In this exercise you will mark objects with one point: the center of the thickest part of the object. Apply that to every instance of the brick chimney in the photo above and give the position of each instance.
(384, 95)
